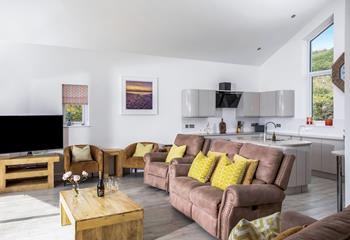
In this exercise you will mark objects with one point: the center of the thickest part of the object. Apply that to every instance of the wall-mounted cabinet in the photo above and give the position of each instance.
(249, 105)
(198, 103)
(267, 104)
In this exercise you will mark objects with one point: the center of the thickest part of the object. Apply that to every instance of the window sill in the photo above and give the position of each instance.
(77, 126)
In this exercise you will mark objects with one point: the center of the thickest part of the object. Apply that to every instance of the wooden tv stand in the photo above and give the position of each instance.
(27, 173)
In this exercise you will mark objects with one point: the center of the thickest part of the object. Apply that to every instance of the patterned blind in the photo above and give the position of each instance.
(75, 94)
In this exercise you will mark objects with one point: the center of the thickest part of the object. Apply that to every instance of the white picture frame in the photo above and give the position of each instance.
(135, 99)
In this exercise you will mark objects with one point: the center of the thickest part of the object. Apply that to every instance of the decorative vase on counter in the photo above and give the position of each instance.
(222, 126)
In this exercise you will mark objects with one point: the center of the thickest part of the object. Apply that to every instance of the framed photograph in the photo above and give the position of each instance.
(139, 95)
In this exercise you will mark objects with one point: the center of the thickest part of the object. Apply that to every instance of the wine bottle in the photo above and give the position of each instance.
(100, 185)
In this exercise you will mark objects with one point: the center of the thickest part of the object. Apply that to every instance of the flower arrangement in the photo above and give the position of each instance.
(75, 180)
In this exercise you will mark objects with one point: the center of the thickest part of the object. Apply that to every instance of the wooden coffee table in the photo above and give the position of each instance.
(114, 216)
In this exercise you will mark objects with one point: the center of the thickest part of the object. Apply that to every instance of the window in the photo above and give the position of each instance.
(321, 60)
(75, 104)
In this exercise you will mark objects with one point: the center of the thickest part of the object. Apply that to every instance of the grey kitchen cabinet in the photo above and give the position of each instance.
(198, 103)
(285, 103)
(206, 103)
(322, 159)
(329, 163)
(249, 105)
(268, 104)
(315, 153)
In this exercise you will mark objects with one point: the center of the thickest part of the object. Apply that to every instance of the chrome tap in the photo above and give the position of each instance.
(276, 125)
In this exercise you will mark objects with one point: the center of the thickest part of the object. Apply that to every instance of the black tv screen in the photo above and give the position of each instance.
(30, 133)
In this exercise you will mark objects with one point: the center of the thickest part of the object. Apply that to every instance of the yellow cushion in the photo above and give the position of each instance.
(251, 169)
(142, 149)
(201, 167)
(288, 232)
(228, 173)
(175, 152)
(216, 154)
(81, 154)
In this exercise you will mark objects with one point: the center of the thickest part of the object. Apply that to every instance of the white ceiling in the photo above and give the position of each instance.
(215, 30)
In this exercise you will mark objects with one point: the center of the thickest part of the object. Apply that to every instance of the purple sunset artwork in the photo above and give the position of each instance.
(139, 95)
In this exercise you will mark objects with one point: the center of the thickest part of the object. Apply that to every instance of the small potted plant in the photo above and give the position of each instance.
(75, 180)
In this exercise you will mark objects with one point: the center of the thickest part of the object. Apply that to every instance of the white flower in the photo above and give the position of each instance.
(64, 177)
(76, 178)
(85, 174)
(69, 173)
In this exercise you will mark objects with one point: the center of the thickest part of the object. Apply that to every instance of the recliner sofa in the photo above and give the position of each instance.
(219, 211)
(156, 169)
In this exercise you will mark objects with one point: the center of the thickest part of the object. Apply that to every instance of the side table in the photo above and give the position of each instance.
(117, 154)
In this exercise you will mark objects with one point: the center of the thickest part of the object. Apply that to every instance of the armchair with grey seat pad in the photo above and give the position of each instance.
(156, 169)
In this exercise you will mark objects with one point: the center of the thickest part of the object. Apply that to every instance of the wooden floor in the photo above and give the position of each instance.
(35, 214)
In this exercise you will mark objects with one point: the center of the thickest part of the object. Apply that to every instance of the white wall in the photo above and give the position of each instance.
(347, 107)
(31, 77)
(287, 68)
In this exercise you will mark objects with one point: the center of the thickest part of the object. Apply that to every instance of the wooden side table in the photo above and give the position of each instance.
(117, 154)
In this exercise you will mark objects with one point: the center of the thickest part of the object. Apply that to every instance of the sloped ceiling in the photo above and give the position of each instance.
(215, 30)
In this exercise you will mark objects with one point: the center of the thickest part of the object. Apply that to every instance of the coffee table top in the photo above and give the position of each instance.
(87, 205)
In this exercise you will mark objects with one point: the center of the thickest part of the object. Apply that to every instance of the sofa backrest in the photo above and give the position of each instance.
(225, 146)
(269, 161)
(194, 143)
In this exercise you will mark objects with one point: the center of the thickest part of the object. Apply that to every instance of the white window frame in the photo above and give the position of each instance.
(323, 27)
(85, 116)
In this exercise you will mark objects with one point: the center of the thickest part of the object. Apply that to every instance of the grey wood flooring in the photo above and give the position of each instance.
(35, 214)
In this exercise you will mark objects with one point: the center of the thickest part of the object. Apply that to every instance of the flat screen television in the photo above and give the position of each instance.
(30, 133)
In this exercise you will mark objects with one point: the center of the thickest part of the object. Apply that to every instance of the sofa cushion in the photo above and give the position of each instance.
(225, 146)
(194, 143)
(228, 173)
(159, 169)
(207, 198)
(81, 154)
(182, 186)
(201, 167)
(176, 152)
(269, 160)
(142, 149)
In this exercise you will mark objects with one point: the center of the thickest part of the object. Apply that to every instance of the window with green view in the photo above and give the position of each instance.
(321, 60)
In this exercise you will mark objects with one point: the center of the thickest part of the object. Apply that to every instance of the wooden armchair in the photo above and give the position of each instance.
(128, 161)
(88, 166)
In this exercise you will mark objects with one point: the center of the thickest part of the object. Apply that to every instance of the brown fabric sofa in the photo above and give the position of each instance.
(219, 211)
(88, 166)
(334, 227)
(156, 169)
(128, 161)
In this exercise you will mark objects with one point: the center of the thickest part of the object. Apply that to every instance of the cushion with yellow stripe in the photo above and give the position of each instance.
(201, 166)
(266, 228)
(228, 173)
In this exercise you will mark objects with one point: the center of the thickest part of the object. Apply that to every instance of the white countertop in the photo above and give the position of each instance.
(309, 135)
(270, 143)
(278, 133)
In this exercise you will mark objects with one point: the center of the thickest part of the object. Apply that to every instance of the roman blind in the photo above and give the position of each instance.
(75, 94)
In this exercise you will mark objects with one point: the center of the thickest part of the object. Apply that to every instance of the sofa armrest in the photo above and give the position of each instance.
(244, 201)
(184, 160)
(155, 157)
(179, 170)
(291, 219)
(254, 194)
